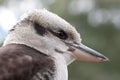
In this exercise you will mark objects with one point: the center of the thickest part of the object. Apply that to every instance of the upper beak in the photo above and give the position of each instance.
(84, 53)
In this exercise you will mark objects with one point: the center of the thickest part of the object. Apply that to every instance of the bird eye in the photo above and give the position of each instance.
(61, 34)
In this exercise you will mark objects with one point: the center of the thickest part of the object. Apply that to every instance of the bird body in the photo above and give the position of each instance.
(20, 62)
(41, 46)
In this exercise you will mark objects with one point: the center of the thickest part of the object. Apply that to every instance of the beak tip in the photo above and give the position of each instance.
(107, 59)
(104, 59)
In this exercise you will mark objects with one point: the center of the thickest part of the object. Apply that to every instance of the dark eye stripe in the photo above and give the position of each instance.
(39, 29)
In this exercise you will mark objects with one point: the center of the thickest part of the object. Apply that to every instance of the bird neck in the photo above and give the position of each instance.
(61, 72)
(61, 67)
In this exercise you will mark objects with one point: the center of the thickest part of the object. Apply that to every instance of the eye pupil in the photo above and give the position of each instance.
(62, 34)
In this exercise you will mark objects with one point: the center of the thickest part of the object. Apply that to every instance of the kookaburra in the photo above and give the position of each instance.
(41, 46)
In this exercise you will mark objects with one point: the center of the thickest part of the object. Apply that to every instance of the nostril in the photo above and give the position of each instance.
(71, 49)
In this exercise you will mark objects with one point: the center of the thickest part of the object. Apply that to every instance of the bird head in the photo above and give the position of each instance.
(53, 36)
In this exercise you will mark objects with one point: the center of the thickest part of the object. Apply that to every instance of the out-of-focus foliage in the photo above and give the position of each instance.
(98, 21)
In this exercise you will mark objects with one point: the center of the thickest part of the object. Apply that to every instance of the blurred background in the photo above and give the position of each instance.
(98, 21)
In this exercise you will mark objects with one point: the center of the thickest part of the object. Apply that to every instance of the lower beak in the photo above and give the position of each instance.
(84, 53)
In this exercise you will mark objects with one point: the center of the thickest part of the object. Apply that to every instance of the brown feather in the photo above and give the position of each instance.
(20, 62)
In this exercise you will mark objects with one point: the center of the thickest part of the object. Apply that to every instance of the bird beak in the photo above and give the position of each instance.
(84, 53)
